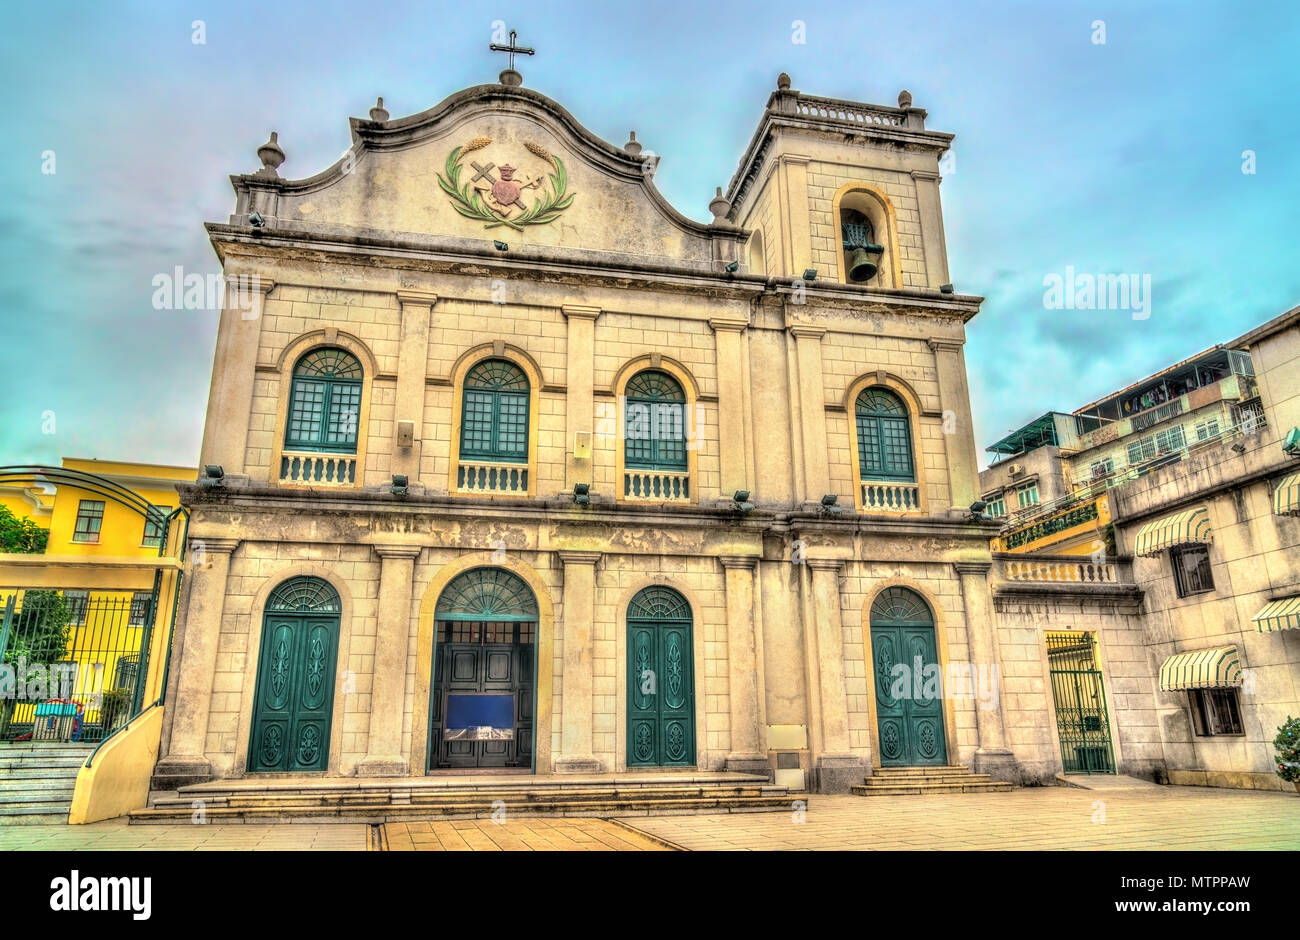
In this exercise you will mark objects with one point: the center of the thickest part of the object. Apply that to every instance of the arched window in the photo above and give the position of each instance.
(305, 594)
(884, 436)
(656, 422)
(494, 416)
(325, 402)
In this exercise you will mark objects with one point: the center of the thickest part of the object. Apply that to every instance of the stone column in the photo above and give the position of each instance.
(959, 446)
(798, 217)
(579, 417)
(230, 397)
(812, 412)
(732, 391)
(993, 757)
(388, 680)
(838, 768)
(747, 752)
(186, 760)
(576, 696)
(412, 365)
(933, 243)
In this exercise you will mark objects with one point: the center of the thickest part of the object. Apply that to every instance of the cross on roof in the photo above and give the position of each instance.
(512, 49)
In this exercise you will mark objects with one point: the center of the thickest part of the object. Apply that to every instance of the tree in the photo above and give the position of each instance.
(21, 535)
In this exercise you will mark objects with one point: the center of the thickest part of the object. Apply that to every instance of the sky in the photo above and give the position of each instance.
(1168, 151)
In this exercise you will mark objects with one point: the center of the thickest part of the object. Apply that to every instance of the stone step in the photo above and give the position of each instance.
(479, 808)
(401, 796)
(34, 816)
(948, 769)
(894, 780)
(35, 771)
(36, 785)
(904, 789)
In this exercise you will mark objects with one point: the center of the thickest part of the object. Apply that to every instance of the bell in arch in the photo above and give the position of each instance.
(864, 253)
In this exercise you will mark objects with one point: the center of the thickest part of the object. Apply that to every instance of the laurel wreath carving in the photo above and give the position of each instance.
(469, 202)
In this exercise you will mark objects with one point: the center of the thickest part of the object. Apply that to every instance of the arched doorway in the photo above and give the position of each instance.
(660, 680)
(294, 702)
(909, 687)
(481, 708)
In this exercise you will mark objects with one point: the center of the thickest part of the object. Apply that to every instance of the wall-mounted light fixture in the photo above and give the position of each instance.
(582, 494)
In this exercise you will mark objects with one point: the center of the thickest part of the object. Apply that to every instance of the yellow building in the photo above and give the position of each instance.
(112, 523)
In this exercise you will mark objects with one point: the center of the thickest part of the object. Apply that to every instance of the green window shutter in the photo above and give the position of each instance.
(325, 402)
(494, 413)
(884, 437)
(654, 422)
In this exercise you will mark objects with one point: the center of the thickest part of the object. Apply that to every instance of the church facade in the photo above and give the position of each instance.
(511, 467)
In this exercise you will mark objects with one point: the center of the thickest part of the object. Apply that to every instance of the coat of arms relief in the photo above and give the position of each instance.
(505, 194)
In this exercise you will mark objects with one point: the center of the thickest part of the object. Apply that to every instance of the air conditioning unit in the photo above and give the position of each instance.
(1291, 445)
(1016, 469)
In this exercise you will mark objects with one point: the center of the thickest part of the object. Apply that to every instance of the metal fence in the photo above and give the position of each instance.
(72, 662)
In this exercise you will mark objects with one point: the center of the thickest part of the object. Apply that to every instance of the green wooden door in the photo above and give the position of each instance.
(660, 681)
(293, 705)
(909, 690)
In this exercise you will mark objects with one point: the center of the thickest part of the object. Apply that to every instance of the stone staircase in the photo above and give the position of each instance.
(950, 778)
(380, 800)
(37, 780)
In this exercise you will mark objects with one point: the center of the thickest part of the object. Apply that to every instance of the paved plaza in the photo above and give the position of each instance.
(1118, 818)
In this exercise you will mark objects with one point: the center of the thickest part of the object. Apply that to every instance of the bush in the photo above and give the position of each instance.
(1287, 744)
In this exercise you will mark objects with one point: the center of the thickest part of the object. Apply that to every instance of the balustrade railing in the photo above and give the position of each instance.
(885, 496)
(1082, 572)
(480, 476)
(306, 469)
(671, 486)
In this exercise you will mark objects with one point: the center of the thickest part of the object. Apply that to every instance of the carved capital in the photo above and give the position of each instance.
(743, 562)
(580, 312)
(807, 332)
(825, 564)
(422, 298)
(728, 326)
(578, 558)
(397, 551)
(211, 546)
(938, 344)
(967, 568)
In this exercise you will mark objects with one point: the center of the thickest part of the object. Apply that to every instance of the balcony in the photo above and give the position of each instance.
(1060, 571)
(308, 469)
(889, 496)
(490, 478)
(657, 486)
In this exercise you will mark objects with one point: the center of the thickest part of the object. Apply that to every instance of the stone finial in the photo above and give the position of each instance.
(783, 81)
(271, 155)
(510, 78)
(719, 206)
(379, 112)
(904, 99)
(633, 146)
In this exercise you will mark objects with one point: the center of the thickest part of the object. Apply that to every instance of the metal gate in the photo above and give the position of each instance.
(72, 662)
(1081, 718)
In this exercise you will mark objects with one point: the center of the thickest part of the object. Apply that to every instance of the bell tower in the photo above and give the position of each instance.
(849, 190)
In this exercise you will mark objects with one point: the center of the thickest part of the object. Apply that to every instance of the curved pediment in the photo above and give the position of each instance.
(490, 162)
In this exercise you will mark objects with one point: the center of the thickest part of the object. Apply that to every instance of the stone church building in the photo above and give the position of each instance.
(510, 466)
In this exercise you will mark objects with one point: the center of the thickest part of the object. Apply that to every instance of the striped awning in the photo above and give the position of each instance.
(1201, 669)
(1182, 528)
(1286, 500)
(1281, 614)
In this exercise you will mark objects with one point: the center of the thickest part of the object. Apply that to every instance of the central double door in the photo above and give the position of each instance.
(477, 658)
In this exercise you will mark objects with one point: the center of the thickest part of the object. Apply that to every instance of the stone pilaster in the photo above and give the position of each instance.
(412, 364)
(798, 216)
(812, 412)
(732, 444)
(577, 696)
(959, 446)
(580, 395)
(230, 397)
(932, 238)
(388, 680)
(748, 754)
(993, 757)
(838, 768)
(186, 761)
